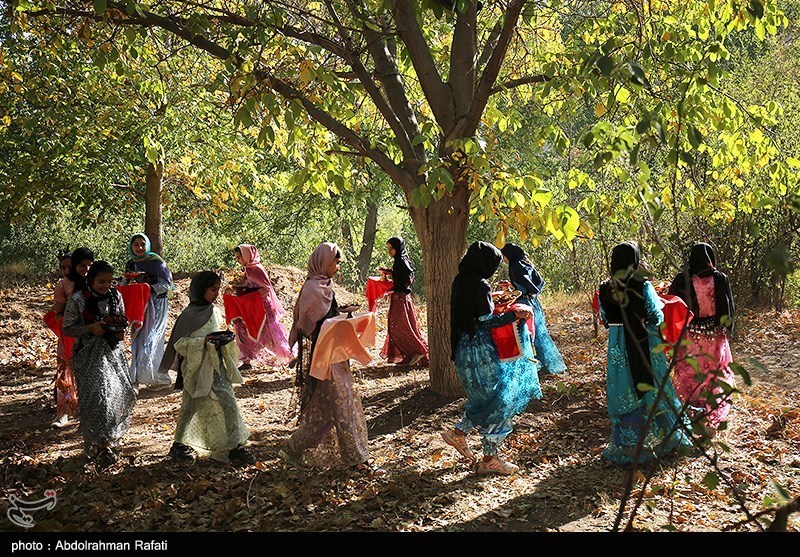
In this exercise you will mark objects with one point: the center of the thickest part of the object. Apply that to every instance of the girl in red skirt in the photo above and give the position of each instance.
(404, 343)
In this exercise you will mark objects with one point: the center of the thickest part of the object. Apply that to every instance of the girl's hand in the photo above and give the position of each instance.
(97, 329)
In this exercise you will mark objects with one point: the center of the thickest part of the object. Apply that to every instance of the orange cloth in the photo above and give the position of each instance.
(249, 308)
(54, 323)
(376, 288)
(676, 316)
(341, 339)
(135, 297)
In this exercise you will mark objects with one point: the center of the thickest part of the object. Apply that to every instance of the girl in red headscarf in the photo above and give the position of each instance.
(270, 338)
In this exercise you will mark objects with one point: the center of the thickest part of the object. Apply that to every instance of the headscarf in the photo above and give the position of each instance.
(629, 310)
(254, 271)
(702, 263)
(471, 295)
(149, 262)
(77, 256)
(316, 296)
(402, 270)
(521, 271)
(196, 314)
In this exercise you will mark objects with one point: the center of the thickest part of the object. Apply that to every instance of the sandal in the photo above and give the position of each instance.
(459, 443)
(369, 469)
(496, 466)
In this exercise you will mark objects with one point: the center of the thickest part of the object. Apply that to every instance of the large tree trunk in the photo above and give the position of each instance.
(368, 241)
(152, 203)
(442, 232)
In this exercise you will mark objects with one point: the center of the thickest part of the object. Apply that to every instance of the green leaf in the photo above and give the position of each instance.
(711, 480)
(756, 8)
(644, 387)
(783, 495)
(100, 6)
(695, 137)
(605, 64)
(738, 369)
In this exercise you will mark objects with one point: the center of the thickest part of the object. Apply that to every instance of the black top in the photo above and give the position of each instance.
(402, 271)
(470, 297)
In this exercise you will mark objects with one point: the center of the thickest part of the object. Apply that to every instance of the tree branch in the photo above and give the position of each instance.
(437, 94)
(490, 72)
(511, 83)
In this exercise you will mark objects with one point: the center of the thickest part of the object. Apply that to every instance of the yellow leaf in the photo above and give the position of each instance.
(600, 109)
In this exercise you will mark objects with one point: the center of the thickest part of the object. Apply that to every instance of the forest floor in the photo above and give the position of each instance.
(563, 484)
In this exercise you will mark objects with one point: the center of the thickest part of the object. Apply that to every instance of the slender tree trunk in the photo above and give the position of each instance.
(153, 198)
(368, 241)
(442, 232)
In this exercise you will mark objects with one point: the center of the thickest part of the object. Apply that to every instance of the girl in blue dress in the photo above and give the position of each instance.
(147, 343)
(526, 279)
(637, 377)
(496, 390)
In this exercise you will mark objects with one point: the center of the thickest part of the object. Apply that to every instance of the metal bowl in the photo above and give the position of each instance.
(220, 338)
(115, 323)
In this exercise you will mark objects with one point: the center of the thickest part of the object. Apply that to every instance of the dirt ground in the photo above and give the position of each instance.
(563, 485)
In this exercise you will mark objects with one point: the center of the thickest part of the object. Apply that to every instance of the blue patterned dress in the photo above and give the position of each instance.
(546, 351)
(627, 411)
(496, 391)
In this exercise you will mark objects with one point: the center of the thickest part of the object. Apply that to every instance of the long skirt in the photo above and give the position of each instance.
(703, 394)
(66, 394)
(496, 391)
(333, 416)
(403, 338)
(272, 345)
(107, 395)
(546, 351)
(212, 424)
(147, 345)
(628, 411)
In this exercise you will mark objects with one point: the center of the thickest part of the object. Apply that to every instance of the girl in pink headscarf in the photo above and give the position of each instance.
(271, 343)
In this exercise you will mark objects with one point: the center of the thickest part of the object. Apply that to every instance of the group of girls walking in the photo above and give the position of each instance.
(651, 413)
(645, 407)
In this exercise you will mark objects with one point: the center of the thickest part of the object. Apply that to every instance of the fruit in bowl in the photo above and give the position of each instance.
(115, 323)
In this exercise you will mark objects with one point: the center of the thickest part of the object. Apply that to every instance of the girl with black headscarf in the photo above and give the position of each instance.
(631, 311)
(99, 364)
(404, 343)
(708, 294)
(525, 278)
(496, 390)
(209, 420)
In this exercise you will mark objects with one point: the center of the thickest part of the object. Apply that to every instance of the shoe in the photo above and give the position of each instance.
(106, 458)
(369, 469)
(245, 367)
(61, 421)
(415, 358)
(241, 456)
(459, 443)
(496, 466)
(290, 459)
(181, 453)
